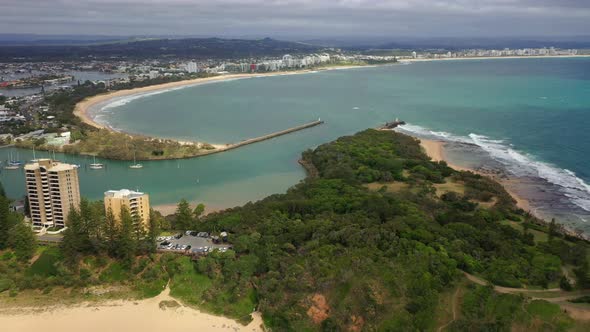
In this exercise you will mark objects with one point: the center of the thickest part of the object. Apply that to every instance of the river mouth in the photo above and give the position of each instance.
(524, 103)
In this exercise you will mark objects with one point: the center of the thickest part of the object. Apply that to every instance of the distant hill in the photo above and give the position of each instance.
(18, 39)
(186, 48)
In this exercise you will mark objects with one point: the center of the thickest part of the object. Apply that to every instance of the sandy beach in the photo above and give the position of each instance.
(82, 108)
(435, 150)
(145, 315)
(168, 209)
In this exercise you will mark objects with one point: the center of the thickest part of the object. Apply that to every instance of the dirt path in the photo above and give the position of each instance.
(455, 307)
(509, 290)
(576, 312)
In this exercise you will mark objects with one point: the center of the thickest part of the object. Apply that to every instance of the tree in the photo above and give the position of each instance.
(583, 279)
(138, 228)
(527, 237)
(153, 230)
(126, 244)
(199, 211)
(184, 216)
(89, 226)
(565, 284)
(552, 230)
(110, 232)
(22, 241)
(72, 243)
(5, 224)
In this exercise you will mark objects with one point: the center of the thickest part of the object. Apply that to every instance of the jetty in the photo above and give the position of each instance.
(277, 134)
(392, 125)
(232, 146)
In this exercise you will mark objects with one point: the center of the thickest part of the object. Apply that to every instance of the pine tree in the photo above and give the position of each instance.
(198, 212)
(552, 230)
(184, 216)
(88, 223)
(22, 241)
(582, 273)
(72, 243)
(126, 244)
(153, 231)
(138, 228)
(139, 233)
(5, 222)
(111, 232)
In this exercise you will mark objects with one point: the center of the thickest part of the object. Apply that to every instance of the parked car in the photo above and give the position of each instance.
(165, 243)
(178, 236)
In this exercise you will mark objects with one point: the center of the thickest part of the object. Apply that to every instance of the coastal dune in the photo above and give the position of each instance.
(149, 315)
(435, 150)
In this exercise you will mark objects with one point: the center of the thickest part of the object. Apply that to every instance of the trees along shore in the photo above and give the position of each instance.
(378, 240)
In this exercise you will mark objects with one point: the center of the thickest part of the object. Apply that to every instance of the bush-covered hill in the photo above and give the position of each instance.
(199, 48)
(377, 240)
(373, 241)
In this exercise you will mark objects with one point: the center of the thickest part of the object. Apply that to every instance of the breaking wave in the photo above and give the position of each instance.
(517, 163)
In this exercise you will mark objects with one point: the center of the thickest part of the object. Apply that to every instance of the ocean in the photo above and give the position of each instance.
(527, 117)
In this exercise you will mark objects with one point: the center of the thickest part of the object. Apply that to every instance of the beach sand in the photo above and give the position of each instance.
(143, 315)
(168, 209)
(435, 150)
(82, 108)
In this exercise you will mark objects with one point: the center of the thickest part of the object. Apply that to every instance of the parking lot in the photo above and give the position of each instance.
(191, 242)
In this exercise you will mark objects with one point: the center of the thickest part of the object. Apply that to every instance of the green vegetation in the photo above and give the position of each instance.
(104, 143)
(46, 265)
(332, 254)
(340, 252)
(485, 310)
(14, 233)
(581, 299)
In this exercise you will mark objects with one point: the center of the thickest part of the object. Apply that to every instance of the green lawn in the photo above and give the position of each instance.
(550, 313)
(538, 235)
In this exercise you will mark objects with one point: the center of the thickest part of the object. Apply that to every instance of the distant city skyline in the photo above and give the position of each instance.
(298, 18)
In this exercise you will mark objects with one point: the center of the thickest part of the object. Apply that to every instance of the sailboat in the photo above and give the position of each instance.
(34, 160)
(135, 164)
(12, 164)
(96, 165)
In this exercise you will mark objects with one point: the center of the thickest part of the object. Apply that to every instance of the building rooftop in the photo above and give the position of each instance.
(123, 193)
(50, 165)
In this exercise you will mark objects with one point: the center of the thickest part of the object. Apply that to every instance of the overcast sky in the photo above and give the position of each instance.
(298, 18)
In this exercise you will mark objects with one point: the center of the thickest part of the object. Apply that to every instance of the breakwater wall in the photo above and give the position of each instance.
(232, 146)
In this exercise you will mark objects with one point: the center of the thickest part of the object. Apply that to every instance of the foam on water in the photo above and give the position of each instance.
(518, 163)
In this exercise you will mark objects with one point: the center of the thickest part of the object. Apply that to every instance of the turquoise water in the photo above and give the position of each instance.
(529, 115)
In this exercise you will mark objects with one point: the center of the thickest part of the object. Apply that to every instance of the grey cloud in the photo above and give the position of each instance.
(298, 17)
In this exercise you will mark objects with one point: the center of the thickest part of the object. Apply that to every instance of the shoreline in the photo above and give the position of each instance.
(436, 151)
(152, 314)
(497, 58)
(82, 109)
